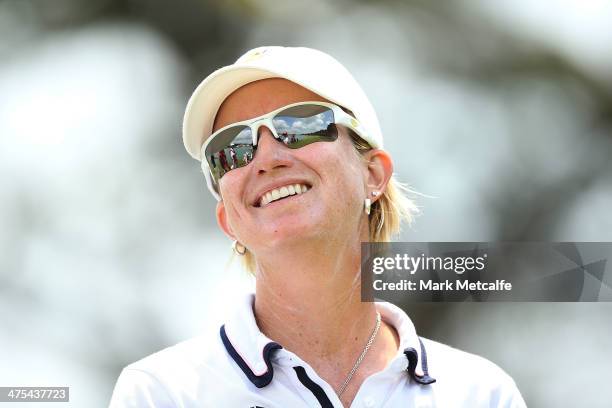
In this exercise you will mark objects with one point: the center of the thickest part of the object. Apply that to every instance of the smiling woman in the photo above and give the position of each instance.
(292, 150)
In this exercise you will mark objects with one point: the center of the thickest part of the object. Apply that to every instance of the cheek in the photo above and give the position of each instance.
(341, 171)
(230, 187)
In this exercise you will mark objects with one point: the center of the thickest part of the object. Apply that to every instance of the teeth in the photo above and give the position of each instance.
(282, 192)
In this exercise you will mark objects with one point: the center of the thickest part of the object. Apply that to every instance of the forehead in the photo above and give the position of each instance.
(260, 97)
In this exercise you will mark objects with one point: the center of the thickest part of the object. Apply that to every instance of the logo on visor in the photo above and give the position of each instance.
(254, 55)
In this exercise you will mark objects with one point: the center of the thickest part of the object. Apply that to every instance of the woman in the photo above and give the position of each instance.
(316, 185)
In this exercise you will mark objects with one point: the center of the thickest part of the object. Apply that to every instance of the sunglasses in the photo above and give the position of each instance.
(296, 125)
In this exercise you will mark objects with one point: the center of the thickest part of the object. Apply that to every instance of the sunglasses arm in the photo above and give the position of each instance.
(343, 118)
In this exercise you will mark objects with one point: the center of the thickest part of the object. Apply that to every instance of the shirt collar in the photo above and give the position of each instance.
(411, 350)
(247, 345)
(252, 350)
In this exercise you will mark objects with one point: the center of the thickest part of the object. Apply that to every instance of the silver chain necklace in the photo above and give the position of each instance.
(361, 357)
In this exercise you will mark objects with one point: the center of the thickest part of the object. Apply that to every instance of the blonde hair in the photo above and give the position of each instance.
(386, 213)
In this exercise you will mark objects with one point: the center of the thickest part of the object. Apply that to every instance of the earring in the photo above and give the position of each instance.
(238, 248)
(367, 205)
(375, 194)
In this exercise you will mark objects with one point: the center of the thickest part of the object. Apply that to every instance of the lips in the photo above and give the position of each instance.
(280, 192)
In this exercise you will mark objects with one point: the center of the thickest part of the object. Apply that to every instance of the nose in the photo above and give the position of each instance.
(271, 155)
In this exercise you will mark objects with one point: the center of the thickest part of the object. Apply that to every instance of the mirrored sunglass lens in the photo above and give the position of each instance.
(304, 124)
(230, 149)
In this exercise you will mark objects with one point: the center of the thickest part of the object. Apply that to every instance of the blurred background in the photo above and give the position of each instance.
(501, 110)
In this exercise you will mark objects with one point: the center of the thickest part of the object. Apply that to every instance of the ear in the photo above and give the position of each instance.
(380, 170)
(222, 220)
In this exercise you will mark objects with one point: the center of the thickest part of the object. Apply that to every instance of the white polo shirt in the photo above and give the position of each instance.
(242, 368)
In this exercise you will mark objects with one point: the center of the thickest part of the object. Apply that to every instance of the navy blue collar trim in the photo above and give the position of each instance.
(259, 381)
(313, 387)
(413, 359)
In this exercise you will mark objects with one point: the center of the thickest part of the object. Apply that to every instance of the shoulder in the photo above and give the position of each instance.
(445, 360)
(476, 378)
(171, 376)
(197, 353)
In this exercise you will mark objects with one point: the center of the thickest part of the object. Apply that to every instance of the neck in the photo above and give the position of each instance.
(311, 298)
(313, 308)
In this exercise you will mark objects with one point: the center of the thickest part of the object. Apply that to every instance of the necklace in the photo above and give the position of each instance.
(360, 358)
